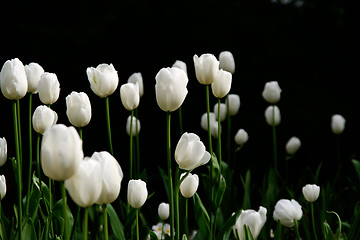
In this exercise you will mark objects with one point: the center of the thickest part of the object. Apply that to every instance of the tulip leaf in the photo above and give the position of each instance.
(246, 201)
(34, 202)
(354, 232)
(2, 229)
(202, 219)
(59, 217)
(278, 231)
(153, 236)
(356, 164)
(248, 235)
(328, 233)
(184, 237)
(116, 226)
(228, 226)
(28, 231)
(165, 179)
(220, 192)
(14, 167)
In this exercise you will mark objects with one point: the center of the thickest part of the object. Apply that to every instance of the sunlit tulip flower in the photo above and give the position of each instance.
(164, 211)
(103, 79)
(78, 109)
(292, 145)
(161, 229)
(271, 116)
(33, 73)
(204, 121)
(234, 103)
(271, 92)
(311, 192)
(135, 126)
(181, 65)
(3, 151)
(137, 78)
(2, 186)
(48, 88)
(190, 152)
(189, 185)
(43, 118)
(13, 81)
(254, 220)
(85, 185)
(223, 111)
(287, 211)
(227, 61)
(137, 193)
(171, 88)
(61, 152)
(222, 84)
(111, 175)
(206, 68)
(337, 124)
(130, 97)
(241, 137)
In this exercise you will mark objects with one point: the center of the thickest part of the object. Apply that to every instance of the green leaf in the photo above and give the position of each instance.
(248, 235)
(2, 230)
(165, 179)
(58, 216)
(354, 232)
(339, 230)
(227, 227)
(28, 231)
(356, 164)
(184, 237)
(278, 231)
(216, 168)
(34, 202)
(247, 184)
(328, 233)
(153, 236)
(220, 192)
(202, 219)
(116, 226)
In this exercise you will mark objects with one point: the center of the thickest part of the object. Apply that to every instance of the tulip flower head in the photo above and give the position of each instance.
(33, 73)
(293, 145)
(137, 78)
(103, 79)
(164, 211)
(234, 103)
(241, 137)
(2, 187)
(3, 151)
(137, 193)
(287, 211)
(181, 65)
(13, 81)
(254, 220)
(206, 68)
(204, 120)
(189, 185)
(48, 88)
(160, 230)
(337, 124)
(43, 118)
(227, 61)
(130, 97)
(311, 192)
(272, 92)
(135, 126)
(272, 115)
(223, 111)
(78, 109)
(222, 84)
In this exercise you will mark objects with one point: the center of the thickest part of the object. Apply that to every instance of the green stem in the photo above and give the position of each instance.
(108, 124)
(274, 140)
(77, 216)
(313, 220)
(168, 150)
(137, 224)
(19, 131)
(137, 146)
(186, 216)
(38, 161)
(131, 145)
(219, 134)
(208, 117)
(51, 206)
(80, 132)
(177, 187)
(30, 153)
(297, 229)
(228, 117)
(106, 232)
(85, 223)
(64, 211)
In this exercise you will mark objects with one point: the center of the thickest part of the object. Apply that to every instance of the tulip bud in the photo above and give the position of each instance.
(129, 94)
(215, 129)
(170, 88)
(181, 65)
(164, 211)
(137, 78)
(3, 151)
(49, 88)
(135, 126)
(61, 152)
(241, 137)
(227, 61)
(189, 185)
(78, 109)
(2, 187)
(222, 84)
(137, 193)
(13, 81)
(206, 68)
(337, 124)
(204, 120)
(43, 118)
(85, 185)
(272, 115)
(254, 220)
(311, 192)
(223, 110)
(287, 211)
(190, 152)
(103, 79)
(234, 103)
(293, 145)
(33, 73)
(271, 92)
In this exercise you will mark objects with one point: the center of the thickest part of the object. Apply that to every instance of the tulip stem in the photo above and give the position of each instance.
(19, 131)
(30, 153)
(85, 223)
(131, 144)
(186, 216)
(219, 134)
(137, 224)
(228, 117)
(108, 124)
(106, 232)
(137, 145)
(274, 139)
(64, 211)
(168, 148)
(177, 186)
(297, 229)
(80, 132)
(38, 162)
(313, 219)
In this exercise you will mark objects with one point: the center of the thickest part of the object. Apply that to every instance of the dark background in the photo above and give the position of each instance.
(309, 47)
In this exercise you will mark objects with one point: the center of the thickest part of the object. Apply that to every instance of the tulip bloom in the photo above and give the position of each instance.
(3, 151)
(49, 88)
(204, 120)
(254, 220)
(293, 145)
(103, 79)
(271, 92)
(311, 192)
(234, 103)
(78, 109)
(2, 187)
(137, 78)
(206, 68)
(181, 65)
(241, 137)
(189, 185)
(227, 61)
(33, 73)
(129, 94)
(13, 81)
(222, 84)
(43, 118)
(137, 193)
(287, 211)
(272, 117)
(164, 211)
(337, 124)
(223, 111)
(135, 124)
(170, 88)
(61, 152)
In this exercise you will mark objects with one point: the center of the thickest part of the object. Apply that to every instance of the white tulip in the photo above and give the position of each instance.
(181, 65)
(85, 185)
(43, 118)
(227, 61)
(103, 79)
(223, 111)
(206, 68)
(272, 115)
(137, 78)
(78, 109)
(222, 84)
(130, 97)
(137, 193)
(337, 124)
(254, 220)
(271, 92)
(311, 192)
(3, 151)
(287, 211)
(164, 211)
(61, 152)
(48, 88)
(234, 103)
(2, 187)
(13, 81)
(215, 129)
(33, 73)
(204, 120)
(189, 185)
(293, 145)
(241, 137)
(135, 126)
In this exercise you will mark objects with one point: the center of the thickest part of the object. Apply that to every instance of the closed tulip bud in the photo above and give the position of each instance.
(234, 103)
(223, 111)
(3, 151)
(293, 145)
(206, 68)
(48, 88)
(33, 73)
(254, 220)
(204, 120)
(103, 79)
(215, 129)
(137, 193)
(129, 94)
(272, 115)
(227, 61)
(271, 92)
(189, 185)
(181, 65)
(13, 81)
(43, 118)
(61, 152)
(164, 211)
(311, 192)
(85, 185)
(78, 109)
(287, 211)
(135, 126)
(222, 84)
(2, 187)
(241, 137)
(190, 152)
(337, 124)
(171, 88)
(111, 175)
(137, 78)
